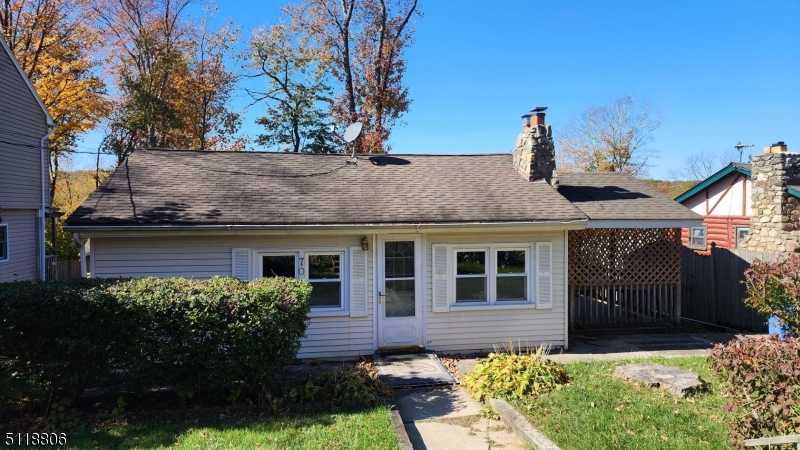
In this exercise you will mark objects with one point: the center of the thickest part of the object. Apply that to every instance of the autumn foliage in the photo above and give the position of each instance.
(773, 289)
(761, 379)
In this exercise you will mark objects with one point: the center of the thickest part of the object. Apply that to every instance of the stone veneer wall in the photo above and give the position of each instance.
(535, 154)
(774, 213)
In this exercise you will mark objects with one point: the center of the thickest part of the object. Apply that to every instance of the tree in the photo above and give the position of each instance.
(295, 75)
(699, 166)
(364, 41)
(56, 49)
(611, 138)
(171, 75)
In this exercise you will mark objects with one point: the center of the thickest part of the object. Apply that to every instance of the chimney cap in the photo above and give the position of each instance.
(539, 109)
(778, 144)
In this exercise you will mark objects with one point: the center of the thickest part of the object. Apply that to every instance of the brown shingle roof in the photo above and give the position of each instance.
(222, 188)
(619, 196)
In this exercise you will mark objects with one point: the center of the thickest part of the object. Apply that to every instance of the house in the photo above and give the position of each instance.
(443, 252)
(725, 201)
(24, 182)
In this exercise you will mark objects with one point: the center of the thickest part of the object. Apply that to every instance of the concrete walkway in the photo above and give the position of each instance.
(448, 418)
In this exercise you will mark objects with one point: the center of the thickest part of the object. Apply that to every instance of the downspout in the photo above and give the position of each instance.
(44, 204)
(82, 247)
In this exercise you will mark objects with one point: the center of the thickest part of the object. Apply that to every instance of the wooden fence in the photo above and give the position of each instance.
(61, 269)
(624, 277)
(712, 289)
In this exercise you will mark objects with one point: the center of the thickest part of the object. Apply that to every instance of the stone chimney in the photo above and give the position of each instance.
(534, 154)
(774, 212)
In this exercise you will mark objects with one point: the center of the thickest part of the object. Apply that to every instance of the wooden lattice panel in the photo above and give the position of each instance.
(624, 256)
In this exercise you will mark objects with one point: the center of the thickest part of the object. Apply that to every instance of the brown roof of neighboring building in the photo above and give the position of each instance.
(619, 196)
(254, 188)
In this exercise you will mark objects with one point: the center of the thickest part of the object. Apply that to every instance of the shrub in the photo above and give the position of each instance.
(205, 335)
(515, 375)
(762, 378)
(59, 337)
(773, 289)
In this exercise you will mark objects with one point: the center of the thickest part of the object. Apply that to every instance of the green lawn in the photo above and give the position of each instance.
(599, 411)
(367, 429)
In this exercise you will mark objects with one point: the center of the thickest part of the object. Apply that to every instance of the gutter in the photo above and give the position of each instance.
(44, 200)
(82, 248)
(576, 224)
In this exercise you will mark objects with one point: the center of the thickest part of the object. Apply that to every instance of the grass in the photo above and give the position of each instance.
(599, 411)
(365, 429)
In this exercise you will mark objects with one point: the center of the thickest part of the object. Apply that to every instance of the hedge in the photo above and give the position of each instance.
(59, 337)
(761, 377)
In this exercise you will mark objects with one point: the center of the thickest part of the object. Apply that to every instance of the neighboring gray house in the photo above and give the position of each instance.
(24, 181)
(444, 252)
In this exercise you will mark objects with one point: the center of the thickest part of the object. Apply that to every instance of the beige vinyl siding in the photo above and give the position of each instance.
(22, 245)
(22, 121)
(204, 257)
(481, 330)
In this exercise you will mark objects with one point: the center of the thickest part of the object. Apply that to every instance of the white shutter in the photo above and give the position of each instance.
(358, 282)
(544, 275)
(240, 263)
(441, 302)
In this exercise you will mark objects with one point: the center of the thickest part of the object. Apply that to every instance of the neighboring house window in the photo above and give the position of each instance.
(697, 237)
(741, 233)
(492, 275)
(325, 276)
(3, 242)
(322, 269)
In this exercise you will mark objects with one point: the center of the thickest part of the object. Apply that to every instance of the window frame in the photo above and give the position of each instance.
(736, 234)
(486, 274)
(705, 238)
(492, 275)
(527, 274)
(341, 280)
(7, 242)
(301, 272)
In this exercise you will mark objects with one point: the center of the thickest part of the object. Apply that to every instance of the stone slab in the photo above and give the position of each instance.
(679, 382)
(435, 403)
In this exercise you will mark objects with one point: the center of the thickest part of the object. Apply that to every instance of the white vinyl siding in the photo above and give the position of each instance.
(203, 257)
(479, 329)
(22, 246)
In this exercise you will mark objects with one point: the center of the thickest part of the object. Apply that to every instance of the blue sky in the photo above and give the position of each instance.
(720, 71)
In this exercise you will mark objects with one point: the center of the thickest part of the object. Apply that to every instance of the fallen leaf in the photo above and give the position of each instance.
(631, 432)
(591, 404)
(618, 408)
(690, 399)
(677, 411)
(664, 437)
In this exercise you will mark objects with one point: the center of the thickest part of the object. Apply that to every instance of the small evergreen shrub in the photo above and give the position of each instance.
(761, 377)
(513, 375)
(773, 289)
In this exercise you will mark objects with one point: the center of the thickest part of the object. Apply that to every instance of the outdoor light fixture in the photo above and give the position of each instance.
(364, 244)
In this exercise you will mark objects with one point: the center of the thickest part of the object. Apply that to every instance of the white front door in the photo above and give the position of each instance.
(400, 292)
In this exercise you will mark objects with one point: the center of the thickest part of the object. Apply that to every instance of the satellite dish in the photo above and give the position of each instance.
(352, 132)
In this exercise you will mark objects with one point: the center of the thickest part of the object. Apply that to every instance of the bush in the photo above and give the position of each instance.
(58, 338)
(516, 376)
(773, 289)
(762, 378)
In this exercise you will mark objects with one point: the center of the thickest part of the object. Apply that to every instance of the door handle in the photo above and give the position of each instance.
(380, 296)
